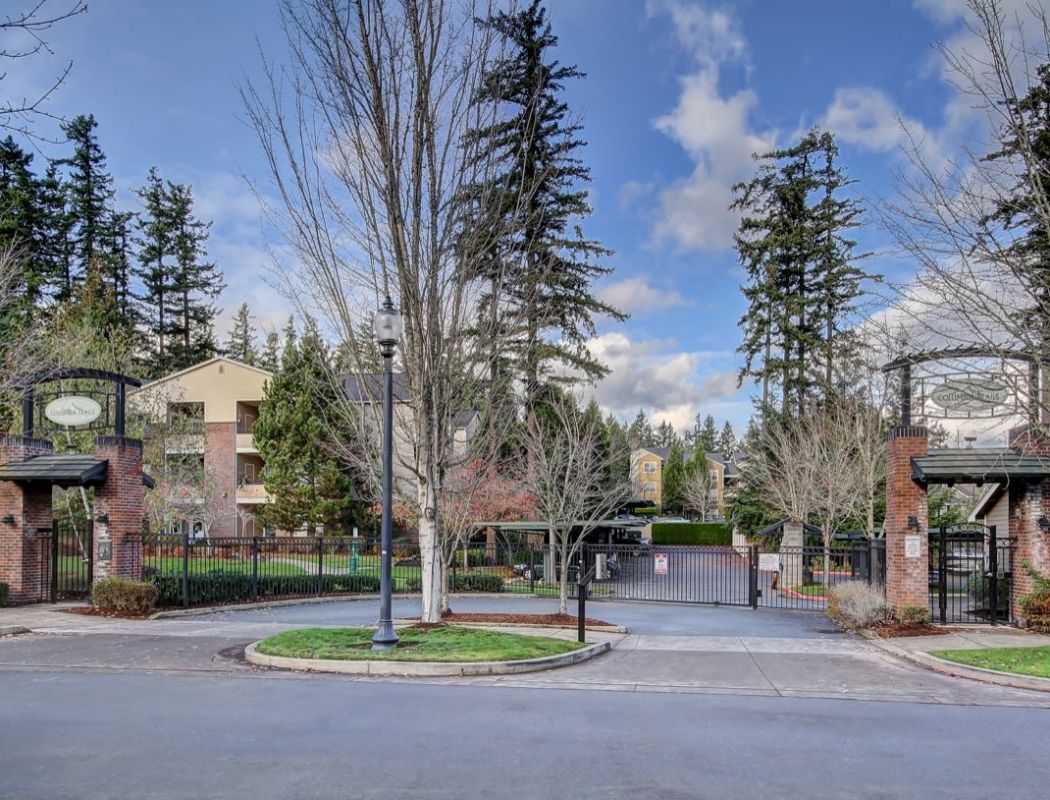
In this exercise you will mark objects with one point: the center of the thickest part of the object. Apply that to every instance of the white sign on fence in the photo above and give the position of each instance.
(769, 562)
(660, 563)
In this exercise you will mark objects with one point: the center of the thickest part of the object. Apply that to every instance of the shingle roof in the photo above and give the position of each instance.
(978, 466)
(61, 469)
(368, 388)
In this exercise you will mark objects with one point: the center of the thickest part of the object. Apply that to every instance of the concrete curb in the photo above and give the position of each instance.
(13, 630)
(596, 628)
(957, 670)
(429, 669)
(173, 613)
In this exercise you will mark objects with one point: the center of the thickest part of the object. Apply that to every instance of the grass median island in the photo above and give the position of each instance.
(442, 643)
(1018, 660)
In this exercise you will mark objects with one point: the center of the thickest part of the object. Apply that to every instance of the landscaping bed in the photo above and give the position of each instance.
(895, 628)
(1034, 661)
(112, 613)
(443, 643)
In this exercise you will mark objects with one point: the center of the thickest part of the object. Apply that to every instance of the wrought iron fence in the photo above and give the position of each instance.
(970, 575)
(67, 559)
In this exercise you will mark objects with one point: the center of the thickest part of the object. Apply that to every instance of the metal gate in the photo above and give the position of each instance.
(70, 554)
(970, 575)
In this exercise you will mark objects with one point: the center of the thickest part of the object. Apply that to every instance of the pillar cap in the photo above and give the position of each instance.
(121, 442)
(907, 432)
(26, 441)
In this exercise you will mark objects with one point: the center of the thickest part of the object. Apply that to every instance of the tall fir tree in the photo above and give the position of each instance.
(90, 188)
(727, 443)
(154, 239)
(666, 434)
(671, 497)
(640, 431)
(269, 357)
(241, 342)
(22, 224)
(706, 433)
(539, 262)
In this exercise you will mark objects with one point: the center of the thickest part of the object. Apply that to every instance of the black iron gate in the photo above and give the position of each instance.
(70, 554)
(970, 574)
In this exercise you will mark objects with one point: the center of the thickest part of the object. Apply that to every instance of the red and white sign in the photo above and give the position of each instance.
(660, 563)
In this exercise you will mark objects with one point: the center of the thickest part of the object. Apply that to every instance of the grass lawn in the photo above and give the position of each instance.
(1019, 660)
(436, 644)
(813, 590)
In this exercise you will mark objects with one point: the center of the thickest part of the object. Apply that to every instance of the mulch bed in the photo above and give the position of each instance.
(558, 620)
(91, 611)
(889, 630)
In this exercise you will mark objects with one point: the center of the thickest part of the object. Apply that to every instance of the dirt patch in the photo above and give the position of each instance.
(91, 611)
(552, 620)
(890, 630)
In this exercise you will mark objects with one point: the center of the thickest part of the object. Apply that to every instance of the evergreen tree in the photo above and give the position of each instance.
(155, 242)
(665, 434)
(310, 488)
(90, 192)
(640, 433)
(727, 441)
(707, 433)
(241, 342)
(538, 262)
(803, 281)
(56, 244)
(117, 247)
(616, 434)
(270, 359)
(673, 480)
(196, 283)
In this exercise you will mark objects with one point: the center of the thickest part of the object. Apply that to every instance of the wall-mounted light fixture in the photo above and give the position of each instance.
(1044, 523)
(103, 518)
(8, 519)
(913, 523)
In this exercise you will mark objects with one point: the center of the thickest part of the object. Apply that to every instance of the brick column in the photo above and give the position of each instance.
(907, 578)
(23, 553)
(1028, 502)
(118, 541)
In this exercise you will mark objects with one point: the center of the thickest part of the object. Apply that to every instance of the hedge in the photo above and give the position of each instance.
(216, 588)
(121, 594)
(695, 533)
(468, 582)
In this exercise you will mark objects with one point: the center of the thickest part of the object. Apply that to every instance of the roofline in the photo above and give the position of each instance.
(202, 364)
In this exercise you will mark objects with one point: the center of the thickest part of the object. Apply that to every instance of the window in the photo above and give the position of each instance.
(649, 468)
(650, 486)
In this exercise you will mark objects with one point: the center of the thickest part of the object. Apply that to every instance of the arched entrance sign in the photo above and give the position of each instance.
(79, 410)
(969, 395)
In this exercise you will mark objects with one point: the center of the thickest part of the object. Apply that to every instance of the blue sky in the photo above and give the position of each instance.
(677, 96)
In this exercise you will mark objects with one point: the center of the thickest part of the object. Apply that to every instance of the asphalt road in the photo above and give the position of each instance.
(697, 703)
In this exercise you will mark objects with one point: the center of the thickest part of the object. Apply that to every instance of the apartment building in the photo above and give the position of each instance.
(217, 404)
(647, 469)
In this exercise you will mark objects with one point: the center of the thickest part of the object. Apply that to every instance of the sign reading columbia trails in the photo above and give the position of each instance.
(73, 411)
(968, 396)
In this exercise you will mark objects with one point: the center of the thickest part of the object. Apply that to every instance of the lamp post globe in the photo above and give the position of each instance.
(388, 327)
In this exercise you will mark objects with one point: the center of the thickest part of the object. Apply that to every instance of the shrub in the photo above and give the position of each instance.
(912, 614)
(475, 557)
(216, 588)
(478, 582)
(121, 594)
(5, 592)
(692, 533)
(855, 604)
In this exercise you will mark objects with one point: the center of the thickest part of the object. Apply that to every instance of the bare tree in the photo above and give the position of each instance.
(365, 138)
(571, 476)
(22, 33)
(697, 487)
(978, 285)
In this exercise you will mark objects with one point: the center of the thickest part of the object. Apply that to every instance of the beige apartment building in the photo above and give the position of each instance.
(218, 403)
(647, 475)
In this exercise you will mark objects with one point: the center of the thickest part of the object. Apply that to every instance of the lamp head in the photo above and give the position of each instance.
(388, 325)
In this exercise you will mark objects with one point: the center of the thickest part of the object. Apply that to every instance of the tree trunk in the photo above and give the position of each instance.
(431, 563)
(827, 563)
(563, 583)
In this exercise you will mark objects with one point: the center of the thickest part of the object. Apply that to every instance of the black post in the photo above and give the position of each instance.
(752, 576)
(385, 638)
(54, 562)
(942, 575)
(320, 565)
(581, 613)
(532, 570)
(906, 394)
(27, 412)
(255, 568)
(993, 580)
(185, 569)
(118, 421)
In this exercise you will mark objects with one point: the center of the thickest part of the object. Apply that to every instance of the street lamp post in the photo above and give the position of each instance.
(388, 327)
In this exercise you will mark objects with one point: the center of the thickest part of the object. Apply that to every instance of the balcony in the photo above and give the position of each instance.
(246, 443)
(250, 489)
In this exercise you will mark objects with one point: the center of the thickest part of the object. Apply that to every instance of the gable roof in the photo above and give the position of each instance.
(662, 453)
(368, 387)
(225, 359)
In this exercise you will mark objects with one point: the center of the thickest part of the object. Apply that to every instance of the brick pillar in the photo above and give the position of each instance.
(23, 551)
(118, 541)
(907, 577)
(1028, 502)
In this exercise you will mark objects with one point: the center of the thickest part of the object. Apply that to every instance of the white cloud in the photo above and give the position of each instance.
(715, 132)
(638, 297)
(654, 375)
